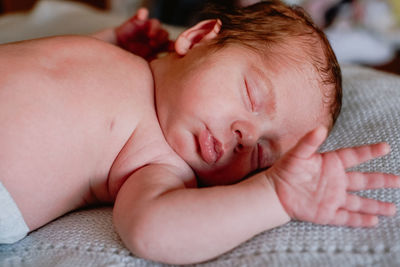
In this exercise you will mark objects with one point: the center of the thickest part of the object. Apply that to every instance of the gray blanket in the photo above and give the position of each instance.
(371, 113)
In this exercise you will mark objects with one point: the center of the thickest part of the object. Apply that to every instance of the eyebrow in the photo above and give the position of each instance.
(268, 92)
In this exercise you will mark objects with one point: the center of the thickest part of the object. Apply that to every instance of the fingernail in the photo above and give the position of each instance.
(392, 210)
(374, 221)
(386, 148)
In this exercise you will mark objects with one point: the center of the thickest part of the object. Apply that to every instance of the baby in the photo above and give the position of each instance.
(85, 122)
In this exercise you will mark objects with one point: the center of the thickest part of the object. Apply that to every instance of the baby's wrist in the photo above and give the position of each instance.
(278, 208)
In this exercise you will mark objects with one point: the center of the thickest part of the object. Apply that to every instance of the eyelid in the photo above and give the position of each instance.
(250, 96)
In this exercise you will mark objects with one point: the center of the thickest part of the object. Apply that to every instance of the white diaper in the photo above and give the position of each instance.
(12, 225)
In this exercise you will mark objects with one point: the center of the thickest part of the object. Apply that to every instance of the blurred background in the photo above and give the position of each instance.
(363, 32)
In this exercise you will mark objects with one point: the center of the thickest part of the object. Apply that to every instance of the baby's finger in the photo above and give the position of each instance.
(354, 219)
(362, 181)
(142, 14)
(370, 206)
(353, 156)
(309, 143)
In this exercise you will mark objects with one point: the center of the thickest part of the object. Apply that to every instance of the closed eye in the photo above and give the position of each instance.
(249, 97)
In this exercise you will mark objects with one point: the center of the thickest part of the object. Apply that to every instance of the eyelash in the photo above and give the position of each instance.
(249, 96)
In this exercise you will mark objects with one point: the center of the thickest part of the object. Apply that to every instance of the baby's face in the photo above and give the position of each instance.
(229, 113)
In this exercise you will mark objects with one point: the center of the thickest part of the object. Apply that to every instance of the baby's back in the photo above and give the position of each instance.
(68, 105)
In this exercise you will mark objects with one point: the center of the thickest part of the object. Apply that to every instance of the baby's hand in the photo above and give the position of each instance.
(143, 36)
(314, 187)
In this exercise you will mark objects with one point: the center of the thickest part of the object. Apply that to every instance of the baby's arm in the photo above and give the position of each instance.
(158, 218)
(139, 35)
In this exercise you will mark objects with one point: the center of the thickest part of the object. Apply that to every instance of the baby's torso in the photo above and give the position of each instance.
(76, 114)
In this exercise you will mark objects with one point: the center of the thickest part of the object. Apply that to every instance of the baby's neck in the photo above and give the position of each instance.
(159, 68)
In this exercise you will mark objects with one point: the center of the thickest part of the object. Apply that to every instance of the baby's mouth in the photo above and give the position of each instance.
(210, 148)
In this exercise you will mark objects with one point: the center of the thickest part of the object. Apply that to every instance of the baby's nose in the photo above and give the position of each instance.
(245, 134)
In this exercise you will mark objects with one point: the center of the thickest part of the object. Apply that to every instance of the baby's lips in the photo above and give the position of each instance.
(210, 148)
(218, 149)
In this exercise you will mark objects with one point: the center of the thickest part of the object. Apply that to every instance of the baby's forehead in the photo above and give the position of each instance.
(267, 64)
(298, 83)
(273, 57)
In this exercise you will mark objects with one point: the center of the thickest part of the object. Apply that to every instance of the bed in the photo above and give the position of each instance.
(370, 114)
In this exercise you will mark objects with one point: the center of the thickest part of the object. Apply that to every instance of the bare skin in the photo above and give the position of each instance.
(305, 178)
(79, 127)
(59, 122)
(72, 139)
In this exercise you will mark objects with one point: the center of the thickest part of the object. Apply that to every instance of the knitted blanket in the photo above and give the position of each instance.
(371, 113)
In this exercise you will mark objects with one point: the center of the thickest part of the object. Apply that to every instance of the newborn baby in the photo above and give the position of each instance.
(250, 93)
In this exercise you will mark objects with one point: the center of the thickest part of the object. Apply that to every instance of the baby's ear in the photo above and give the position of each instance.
(202, 31)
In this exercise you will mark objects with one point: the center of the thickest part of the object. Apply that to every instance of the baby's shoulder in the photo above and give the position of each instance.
(80, 55)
